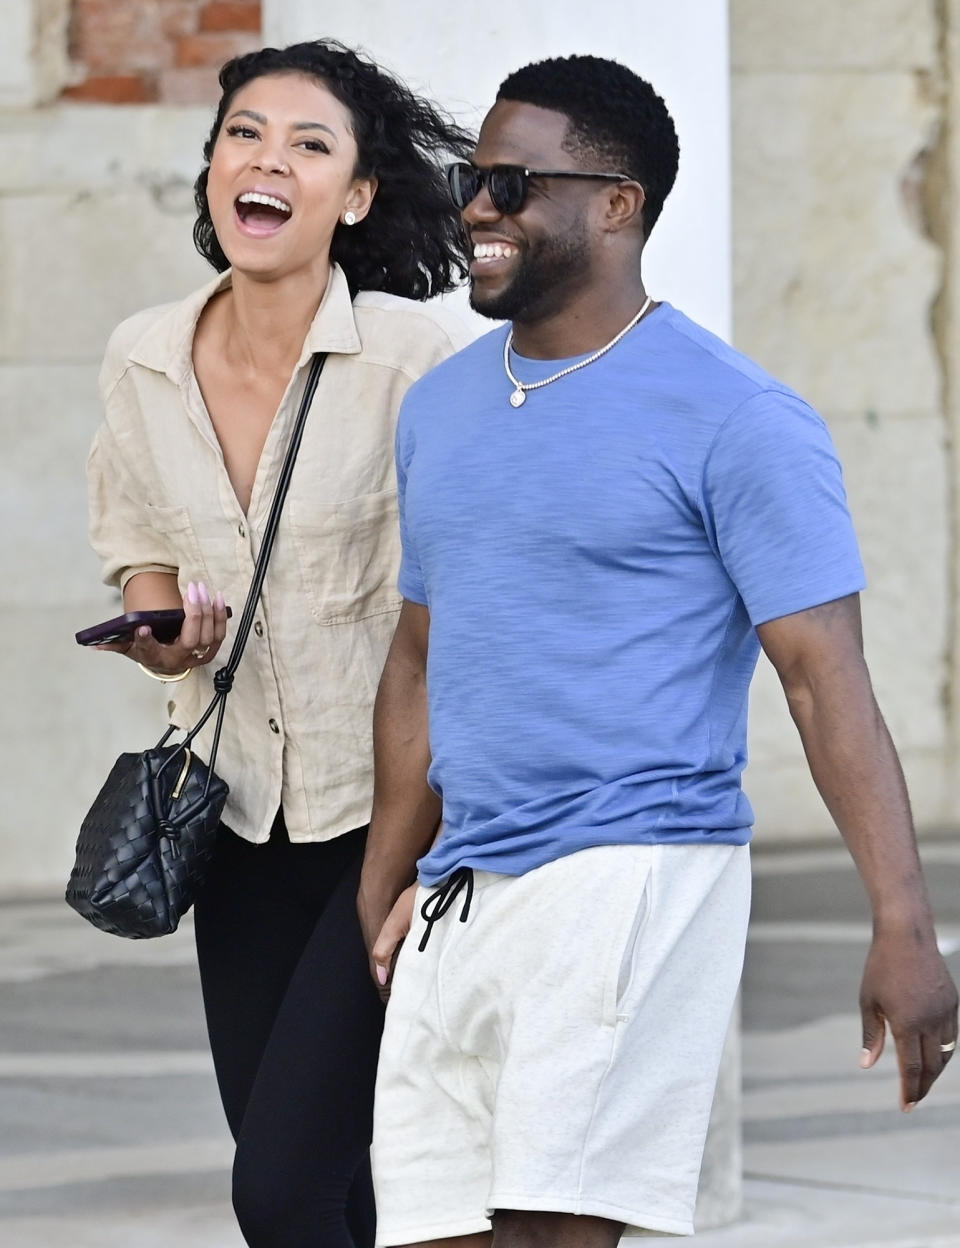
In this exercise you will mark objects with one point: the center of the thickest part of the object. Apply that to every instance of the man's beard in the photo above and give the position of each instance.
(541, 280)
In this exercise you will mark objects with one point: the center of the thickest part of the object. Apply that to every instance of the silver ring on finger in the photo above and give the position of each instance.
(948, 1047)
(201, 652)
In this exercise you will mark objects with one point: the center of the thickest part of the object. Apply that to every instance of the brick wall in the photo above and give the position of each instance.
(156, 51)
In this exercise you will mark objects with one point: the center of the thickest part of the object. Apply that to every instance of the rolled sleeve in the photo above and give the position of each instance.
(120, 528)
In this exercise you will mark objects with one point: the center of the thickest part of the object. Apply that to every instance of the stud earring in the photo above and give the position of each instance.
(349, 218)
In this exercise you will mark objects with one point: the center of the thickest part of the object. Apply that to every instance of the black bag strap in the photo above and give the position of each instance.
(223, 677)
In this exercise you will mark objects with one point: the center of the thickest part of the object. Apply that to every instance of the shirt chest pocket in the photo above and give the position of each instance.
(349, 555)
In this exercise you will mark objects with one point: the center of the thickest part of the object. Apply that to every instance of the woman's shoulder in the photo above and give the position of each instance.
(409, 335)
(152, 335)
(125, 337)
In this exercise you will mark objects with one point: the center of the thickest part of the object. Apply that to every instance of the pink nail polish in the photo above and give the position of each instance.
(219, 600)
(192, 593)
(382, 976)
(143, 632)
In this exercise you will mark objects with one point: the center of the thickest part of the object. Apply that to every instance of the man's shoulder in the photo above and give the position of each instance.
(704, 362)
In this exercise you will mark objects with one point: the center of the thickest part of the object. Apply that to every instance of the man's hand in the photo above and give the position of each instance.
(384, 928)
(906, 984)
(406, 811)
(818, 655)
(391, 937)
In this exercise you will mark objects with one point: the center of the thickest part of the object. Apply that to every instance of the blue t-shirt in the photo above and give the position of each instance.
(595, 563)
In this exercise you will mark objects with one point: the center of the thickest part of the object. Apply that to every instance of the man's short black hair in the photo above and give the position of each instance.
(617, 120)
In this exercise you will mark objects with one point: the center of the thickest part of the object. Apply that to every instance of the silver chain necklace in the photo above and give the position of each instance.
(519, 396)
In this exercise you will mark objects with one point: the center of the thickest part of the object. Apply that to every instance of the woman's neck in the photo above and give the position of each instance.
(263, 324)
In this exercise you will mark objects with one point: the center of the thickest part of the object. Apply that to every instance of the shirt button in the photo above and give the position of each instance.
(258, 628)
(241, 529)
(274, 726)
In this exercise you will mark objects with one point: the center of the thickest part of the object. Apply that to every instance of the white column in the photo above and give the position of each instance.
(458, 54)
(33, 60)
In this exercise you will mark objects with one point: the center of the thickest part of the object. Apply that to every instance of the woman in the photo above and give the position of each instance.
(324, 196)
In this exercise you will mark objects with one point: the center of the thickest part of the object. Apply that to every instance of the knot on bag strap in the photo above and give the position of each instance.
(223, 680)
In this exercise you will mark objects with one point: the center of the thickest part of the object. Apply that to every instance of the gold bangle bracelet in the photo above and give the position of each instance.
(167, 680)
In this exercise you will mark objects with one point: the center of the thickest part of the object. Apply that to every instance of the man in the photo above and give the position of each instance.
(606, 512)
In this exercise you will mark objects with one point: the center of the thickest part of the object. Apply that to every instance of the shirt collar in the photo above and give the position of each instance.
(167, 346)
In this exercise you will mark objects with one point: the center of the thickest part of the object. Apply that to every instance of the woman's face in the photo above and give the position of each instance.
(282, 176)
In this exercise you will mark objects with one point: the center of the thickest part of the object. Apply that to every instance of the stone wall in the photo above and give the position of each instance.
(95, 217)
(840, 257)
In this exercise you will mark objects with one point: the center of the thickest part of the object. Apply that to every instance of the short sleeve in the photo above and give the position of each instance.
(120, 531)
(410, 580)
(774, 505)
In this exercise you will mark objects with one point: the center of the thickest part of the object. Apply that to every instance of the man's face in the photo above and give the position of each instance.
(527, 264)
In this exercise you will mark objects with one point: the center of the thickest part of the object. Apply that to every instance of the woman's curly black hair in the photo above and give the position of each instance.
(411, 241)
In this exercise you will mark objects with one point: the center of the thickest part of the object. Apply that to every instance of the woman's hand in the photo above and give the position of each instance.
(202, 634)
(392, 934)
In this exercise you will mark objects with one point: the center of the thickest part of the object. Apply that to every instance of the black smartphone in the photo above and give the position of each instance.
(165, 626)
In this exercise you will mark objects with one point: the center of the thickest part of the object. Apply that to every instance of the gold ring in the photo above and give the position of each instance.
(948, 1048)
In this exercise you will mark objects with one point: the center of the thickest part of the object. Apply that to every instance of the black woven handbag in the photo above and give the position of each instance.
(147, 841)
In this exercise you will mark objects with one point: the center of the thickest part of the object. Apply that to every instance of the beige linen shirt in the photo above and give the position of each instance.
(297, 730)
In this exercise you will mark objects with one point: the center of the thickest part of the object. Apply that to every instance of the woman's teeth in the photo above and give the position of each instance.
(269, 201)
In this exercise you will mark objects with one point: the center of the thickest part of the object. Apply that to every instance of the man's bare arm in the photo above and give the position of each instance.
(406, 811)
(818, 655)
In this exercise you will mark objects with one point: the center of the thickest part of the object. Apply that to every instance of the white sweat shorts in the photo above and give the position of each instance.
(559, 1050)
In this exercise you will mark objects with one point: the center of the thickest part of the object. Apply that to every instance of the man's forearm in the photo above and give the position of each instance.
(856, 770)
(406, 811)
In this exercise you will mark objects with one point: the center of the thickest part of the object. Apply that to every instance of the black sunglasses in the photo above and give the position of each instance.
(507, 185)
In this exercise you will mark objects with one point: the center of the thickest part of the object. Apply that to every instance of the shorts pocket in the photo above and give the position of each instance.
(349, 556)
(634, 911)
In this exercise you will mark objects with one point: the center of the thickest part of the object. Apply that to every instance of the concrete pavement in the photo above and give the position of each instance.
(111, 1132)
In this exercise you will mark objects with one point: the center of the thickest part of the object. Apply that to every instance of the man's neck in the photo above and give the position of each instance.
(582, 325)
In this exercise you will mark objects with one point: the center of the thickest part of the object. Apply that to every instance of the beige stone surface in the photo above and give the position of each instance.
(47, 417)
(91, 147)
(866, 35)
(68, 713)
(788, 807)
(833, 279)
(105, 256)
(897, 480)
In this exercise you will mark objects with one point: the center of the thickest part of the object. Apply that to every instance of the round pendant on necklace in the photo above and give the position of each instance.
(518, 398)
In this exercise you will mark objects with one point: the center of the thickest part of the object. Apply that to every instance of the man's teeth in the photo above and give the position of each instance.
(270, 201)
(493, 251)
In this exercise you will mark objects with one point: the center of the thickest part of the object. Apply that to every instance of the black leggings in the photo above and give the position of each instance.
(294, 1023)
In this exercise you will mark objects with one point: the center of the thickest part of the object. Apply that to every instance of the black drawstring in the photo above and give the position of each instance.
(442, 899)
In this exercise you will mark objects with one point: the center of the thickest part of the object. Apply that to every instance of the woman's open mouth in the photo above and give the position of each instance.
(260, 215)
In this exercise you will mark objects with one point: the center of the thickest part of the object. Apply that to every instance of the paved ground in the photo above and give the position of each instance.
(111, 1133)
